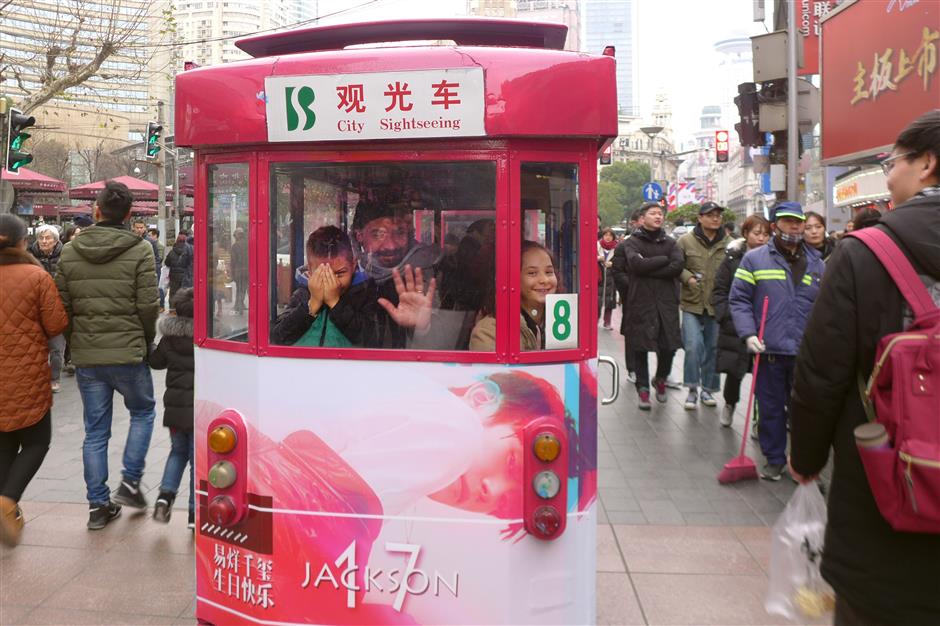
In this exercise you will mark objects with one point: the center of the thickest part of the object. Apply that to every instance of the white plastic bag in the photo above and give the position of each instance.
(164, 282)
(797, 590)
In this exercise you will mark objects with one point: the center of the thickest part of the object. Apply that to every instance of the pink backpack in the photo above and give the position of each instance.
(903, 395)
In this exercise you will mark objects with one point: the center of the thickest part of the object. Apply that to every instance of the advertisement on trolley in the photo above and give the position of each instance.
(399, 493)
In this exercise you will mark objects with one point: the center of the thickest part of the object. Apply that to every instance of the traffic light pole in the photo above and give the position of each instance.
(793, 120)
(162, 212)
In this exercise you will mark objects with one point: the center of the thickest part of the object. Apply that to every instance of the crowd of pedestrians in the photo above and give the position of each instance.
(830, 303)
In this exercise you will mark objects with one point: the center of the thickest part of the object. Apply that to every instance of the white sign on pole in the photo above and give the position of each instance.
(382, 105)
(561, 321)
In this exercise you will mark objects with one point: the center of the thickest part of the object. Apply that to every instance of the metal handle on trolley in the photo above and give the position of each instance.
(615, 371)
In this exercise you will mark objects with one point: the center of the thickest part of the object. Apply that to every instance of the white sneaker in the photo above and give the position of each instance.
(727, 415)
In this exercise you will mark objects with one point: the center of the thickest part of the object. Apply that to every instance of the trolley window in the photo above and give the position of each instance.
(548, 268)
(227, 284)
(382, 255)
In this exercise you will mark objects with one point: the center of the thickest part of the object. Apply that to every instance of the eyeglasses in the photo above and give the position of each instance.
(888, 164)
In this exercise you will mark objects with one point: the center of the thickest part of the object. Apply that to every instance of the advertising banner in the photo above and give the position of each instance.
(381, 105)
(383, 494)
(879, 72)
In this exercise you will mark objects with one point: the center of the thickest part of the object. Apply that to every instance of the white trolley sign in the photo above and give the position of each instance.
(379, 105)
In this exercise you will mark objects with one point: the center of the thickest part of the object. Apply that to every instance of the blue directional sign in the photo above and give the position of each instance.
(652, 192)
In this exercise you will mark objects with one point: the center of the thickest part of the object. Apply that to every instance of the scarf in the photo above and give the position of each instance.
(607, 245)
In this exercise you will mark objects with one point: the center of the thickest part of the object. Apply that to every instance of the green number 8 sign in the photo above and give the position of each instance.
(561, 329)
(561, 321)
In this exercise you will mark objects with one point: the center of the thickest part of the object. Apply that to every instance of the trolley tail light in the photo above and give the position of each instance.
(227, 455)
(546, 477)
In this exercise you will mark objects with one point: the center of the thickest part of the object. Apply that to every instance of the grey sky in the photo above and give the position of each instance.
(676, 39)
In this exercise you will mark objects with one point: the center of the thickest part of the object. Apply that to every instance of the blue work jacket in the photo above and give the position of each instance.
(765, 272)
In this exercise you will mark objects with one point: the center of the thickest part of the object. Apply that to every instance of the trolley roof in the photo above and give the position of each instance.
(531, 88)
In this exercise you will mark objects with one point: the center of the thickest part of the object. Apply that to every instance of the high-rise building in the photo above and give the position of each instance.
(207, 29)
(491, 8)
(116, 101)
(559, 11)
(614, 23)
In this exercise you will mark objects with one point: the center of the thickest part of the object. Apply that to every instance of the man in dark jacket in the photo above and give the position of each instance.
(618, 270)
(880, 576)
(786, 272)
(109, 290)
(48, 249)
(651, 314)
(180, 261)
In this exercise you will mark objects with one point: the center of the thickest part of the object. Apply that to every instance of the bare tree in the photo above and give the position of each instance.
(72, 43)
(101, 162)
(50, 157)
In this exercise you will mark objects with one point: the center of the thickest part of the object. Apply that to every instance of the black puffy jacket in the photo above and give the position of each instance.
(175, 355)
(890, 576)
(732, 353)
(49, 263)
(652, 262)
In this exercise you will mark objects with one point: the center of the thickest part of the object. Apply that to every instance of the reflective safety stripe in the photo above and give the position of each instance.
(770, 275)
(744, 275)
(807, 280)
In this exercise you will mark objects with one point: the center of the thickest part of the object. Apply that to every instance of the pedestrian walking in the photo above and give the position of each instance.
(48, 249)
(618, 271)
(732, 358)
(815, 235)
(880, 576)
(30, 313)
(788, 272)
(239, 268)
(153, 234)
(651, 314)
(107, 282)
(175, 355)
(607, 290)
(704, 250)
(180, 261)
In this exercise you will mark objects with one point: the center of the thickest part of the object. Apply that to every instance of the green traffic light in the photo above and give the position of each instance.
(18, 141)
(16, 162)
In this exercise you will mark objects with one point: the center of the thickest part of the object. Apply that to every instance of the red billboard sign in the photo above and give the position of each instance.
(879, 72)
(811, 13)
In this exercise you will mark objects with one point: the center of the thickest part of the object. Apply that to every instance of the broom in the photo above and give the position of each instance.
(742, 467)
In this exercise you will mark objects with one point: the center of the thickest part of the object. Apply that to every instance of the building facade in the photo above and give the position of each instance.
(614, 23)
(564, 12)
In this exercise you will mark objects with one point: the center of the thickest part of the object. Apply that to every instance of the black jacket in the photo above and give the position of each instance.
(653, 263)
(889, 575)
(357, 315)
(49, 263)
(732, 353)
(175, 354)
(180, 260)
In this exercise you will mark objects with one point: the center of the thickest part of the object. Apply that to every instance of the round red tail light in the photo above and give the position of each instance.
(222, 510)
(546, 521)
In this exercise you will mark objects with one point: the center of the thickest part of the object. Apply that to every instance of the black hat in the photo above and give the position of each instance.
(83, 221)
(368, 210)
(708, 207)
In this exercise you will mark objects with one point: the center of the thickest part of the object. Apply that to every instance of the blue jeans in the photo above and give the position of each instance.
(97, 386)
(181, 453)
(700, 342)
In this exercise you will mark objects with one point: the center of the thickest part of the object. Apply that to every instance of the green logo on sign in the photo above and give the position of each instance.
(562, 326)
(303, 100)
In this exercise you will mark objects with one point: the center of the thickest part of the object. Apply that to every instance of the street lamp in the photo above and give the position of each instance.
(651, 131)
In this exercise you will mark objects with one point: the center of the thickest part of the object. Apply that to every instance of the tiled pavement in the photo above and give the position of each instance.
(674, 547)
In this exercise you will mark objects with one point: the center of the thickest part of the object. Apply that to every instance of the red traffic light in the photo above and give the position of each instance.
(721, 146)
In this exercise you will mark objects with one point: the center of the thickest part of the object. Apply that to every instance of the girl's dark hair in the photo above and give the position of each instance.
(183, 302)
(809, 214)
(922, 136)
(866, 218)
(608, 230)
(12, 230)
(752, 222)
(114, 201)
(328, 242)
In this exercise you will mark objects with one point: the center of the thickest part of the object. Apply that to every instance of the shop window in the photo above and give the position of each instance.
(227, 293)
(548, 280)
(382, 255)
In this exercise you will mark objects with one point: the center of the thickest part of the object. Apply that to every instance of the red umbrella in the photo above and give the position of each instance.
(140, 189)
(28, 180)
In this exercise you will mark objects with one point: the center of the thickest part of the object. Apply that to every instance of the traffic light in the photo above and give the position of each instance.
(748, 104)
(721, 146)
(17, 122)
(153, 139)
